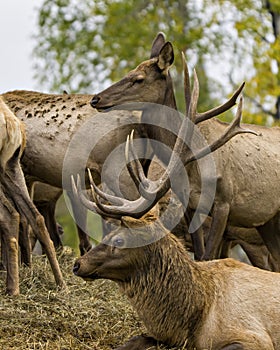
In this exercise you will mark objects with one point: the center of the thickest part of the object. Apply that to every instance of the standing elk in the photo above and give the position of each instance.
(215, 305)
(248, 170)
(15, 203)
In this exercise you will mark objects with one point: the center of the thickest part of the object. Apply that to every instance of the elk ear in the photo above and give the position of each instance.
(158, 43)
(166, 56)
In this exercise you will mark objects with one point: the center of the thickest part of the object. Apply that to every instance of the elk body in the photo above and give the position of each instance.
(247, 170)
(15, 204)
(217, 305)
(50, 122)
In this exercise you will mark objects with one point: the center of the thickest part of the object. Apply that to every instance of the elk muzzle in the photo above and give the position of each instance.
(80, 270)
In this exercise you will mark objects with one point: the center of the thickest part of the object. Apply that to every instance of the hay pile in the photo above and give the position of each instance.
(89, 316)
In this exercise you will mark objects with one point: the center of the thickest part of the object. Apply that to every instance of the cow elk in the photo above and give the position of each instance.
(15, 203)
(216, 305)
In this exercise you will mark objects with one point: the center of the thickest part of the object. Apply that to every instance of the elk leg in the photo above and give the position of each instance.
(80, 216)
(271, 237)
(226, 246)
(3, 257)
(47, 209)
(11, 246)
(197, 237)
(140, 342)
(9, 226)
(198, 244)
(217, 228)
(24, 242)
(259, 256)
(16, 186)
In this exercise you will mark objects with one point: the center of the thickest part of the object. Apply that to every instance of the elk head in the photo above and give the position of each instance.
(149, 82)
(117, 257)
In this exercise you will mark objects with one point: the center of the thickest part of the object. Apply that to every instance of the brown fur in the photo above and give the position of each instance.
(204, 305)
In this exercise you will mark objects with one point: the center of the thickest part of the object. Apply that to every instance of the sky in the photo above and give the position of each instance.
(17, 23)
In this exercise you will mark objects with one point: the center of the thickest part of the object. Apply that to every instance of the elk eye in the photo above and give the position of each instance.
(118, 242)
(139, 79)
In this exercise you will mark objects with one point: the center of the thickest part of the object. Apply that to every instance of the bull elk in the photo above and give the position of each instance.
(218, 305)
(15, 203)
(247, 172)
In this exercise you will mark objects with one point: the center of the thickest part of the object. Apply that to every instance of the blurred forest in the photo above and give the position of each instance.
(84, 46)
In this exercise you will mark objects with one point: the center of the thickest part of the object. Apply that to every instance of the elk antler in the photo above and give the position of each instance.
(200, 117)
(151, 191)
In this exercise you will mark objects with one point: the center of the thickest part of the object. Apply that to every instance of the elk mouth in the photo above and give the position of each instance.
(91, 277)
(104, 109)
(97, 104)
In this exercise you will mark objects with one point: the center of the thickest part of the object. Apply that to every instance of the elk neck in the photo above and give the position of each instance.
(170, 292)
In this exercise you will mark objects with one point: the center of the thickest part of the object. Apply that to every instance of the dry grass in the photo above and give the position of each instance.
(88, 316)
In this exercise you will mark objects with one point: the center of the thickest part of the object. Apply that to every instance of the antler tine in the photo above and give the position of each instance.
(194, 99)
(187, 84)
(200, 117)
(119, 208)
(233, 129)
(96, 191)
(79, 195)
(136, 172)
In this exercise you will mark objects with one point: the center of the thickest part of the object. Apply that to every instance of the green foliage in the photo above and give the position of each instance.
(256, 46)
(83, 46)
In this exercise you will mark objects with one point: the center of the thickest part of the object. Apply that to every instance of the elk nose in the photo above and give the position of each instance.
(76, 267)
(94, 101)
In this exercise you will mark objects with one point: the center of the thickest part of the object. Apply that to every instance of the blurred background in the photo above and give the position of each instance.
(84, 46)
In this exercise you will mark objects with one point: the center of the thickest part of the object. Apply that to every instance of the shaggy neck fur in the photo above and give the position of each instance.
(169, 293)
